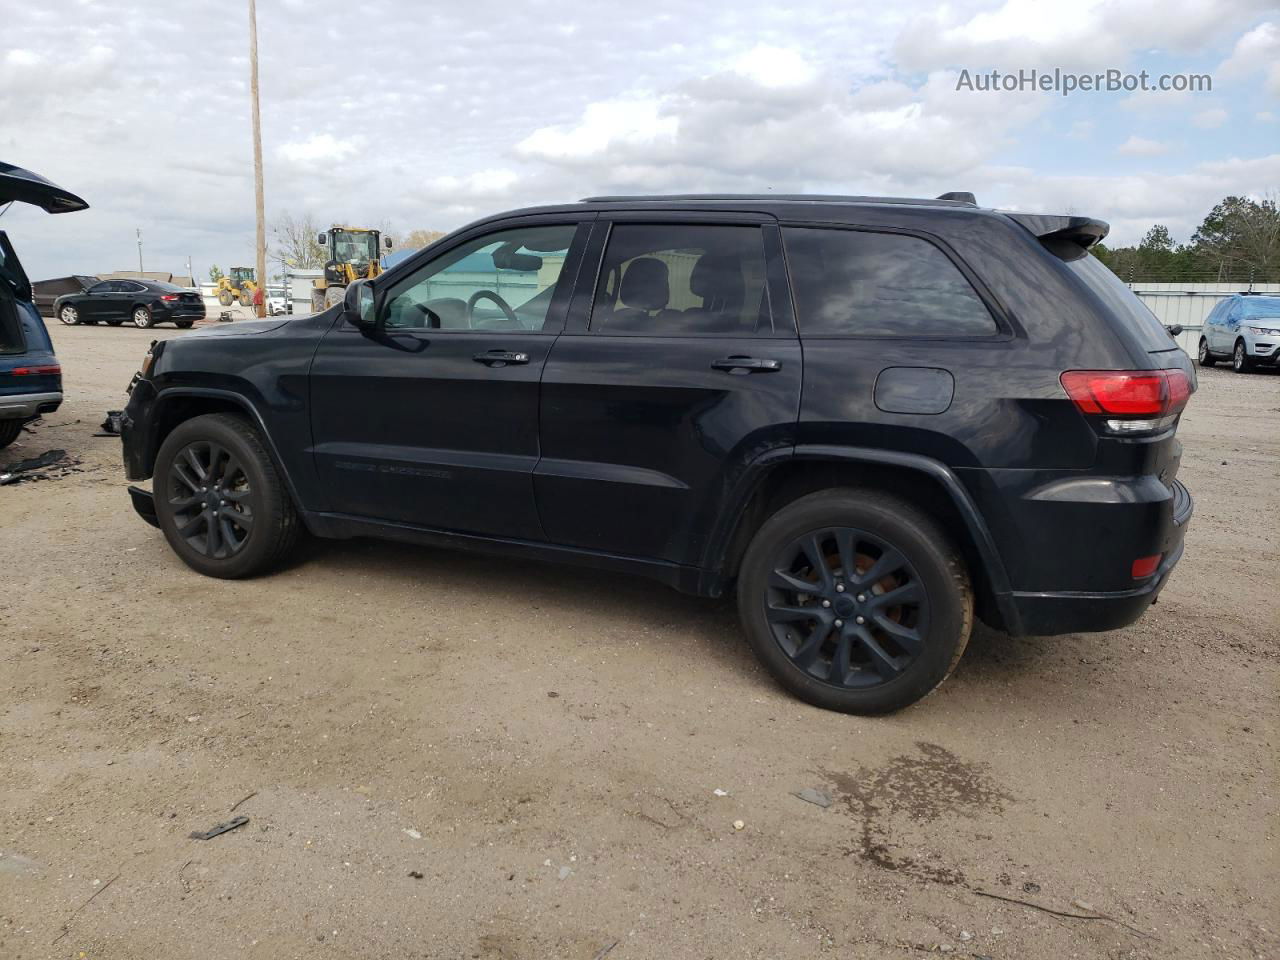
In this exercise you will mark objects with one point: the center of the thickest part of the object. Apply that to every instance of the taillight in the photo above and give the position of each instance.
(1144, 567)
(169, 296)
(49, 371)
(1130, 401)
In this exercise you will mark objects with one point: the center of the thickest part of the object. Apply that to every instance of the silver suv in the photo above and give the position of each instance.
(1245, 328)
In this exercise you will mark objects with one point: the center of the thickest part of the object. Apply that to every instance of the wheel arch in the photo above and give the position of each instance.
(922, 481)
(177, 405)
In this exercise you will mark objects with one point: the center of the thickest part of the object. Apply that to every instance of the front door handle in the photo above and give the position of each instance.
(500, 358)
(745, 365)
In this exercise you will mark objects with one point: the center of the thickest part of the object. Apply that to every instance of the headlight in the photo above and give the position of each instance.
(1263, 331)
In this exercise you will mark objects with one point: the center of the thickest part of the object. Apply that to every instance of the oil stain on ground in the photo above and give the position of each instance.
(922, 788)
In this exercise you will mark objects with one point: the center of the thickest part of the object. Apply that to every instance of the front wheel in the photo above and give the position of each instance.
(225, 298)
(855, 601)
(333, 296)
(220, 501)
(1204, 357)
(1240, 360)
(9, 430)
(142, 317)
(69, 315)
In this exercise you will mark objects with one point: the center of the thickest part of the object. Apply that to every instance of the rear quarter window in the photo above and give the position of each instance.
(1121, 302)
(857, 283)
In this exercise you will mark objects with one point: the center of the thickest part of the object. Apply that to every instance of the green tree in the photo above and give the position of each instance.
(1240, 239)
(215, 274)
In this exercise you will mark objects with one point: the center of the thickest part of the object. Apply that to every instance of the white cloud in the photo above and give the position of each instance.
(1265, 116)
(1210, 119)
(320, 148)
(1137, 146)
(1257, 53)
(604, 126)
(774, 67)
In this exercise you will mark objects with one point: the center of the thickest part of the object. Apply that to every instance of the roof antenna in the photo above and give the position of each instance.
(960, 196)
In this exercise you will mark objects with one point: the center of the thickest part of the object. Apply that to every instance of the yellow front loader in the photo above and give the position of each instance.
(354, 254)
(239, 286)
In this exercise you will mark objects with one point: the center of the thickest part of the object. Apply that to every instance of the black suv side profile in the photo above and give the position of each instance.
(874, 418)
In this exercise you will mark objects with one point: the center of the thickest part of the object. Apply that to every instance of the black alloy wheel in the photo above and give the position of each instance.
(211, 499)
(847, 608)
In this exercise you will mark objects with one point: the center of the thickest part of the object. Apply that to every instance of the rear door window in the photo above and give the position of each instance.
(682, 280)
(863, 284)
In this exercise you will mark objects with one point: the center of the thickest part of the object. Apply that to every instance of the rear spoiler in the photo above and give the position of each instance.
(1084, 232)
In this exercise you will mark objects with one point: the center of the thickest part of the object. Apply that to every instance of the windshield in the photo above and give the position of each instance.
(351, 247)
(1261, 308)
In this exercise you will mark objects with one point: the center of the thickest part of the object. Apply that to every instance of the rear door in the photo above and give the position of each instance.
(432, 420)
(680, 368)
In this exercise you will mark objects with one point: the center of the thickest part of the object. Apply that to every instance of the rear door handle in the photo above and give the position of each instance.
(500, 358)
(744, 365)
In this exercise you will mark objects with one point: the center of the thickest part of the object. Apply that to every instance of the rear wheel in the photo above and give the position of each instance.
(1205, 358)
(855, 601)
(142, 317)
(220, 501)
(246, 299)
(9, 430)
(69, 315)
(1240, 359)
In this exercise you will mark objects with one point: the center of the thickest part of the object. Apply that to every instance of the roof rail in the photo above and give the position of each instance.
(949, 198)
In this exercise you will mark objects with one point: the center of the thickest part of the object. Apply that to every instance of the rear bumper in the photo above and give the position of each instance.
(1050, 613)
(26, 406)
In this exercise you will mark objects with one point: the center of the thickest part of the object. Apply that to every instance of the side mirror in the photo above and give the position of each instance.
(322, 239)
(1173, 328)
(357, 305)
(387, 241)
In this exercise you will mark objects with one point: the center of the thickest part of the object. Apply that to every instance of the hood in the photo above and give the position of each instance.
(24, 186)
(238, 328)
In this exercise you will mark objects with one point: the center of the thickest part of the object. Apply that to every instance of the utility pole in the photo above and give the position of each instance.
(261, 265)
(138, 230)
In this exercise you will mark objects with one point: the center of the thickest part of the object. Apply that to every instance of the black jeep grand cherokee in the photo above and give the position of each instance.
(876, 418)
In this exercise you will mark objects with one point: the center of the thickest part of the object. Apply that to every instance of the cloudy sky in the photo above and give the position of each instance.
(428, 115)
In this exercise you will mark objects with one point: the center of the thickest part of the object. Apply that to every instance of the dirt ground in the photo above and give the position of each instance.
(452, 756)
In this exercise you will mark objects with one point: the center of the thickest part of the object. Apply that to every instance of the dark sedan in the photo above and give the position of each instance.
(144, 303)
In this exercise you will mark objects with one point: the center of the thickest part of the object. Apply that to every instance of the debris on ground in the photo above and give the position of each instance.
(720, 793)
(416, 874)
(815, 796)
(413, 833)
(1031, 887)
(110, 427)
(48, 466)
(220, 829)
(739, 825)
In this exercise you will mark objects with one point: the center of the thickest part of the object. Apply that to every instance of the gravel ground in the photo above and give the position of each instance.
(451, 756)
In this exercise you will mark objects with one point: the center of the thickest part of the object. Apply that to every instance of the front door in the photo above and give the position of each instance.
(98, 303)
(683, 370)
(432, 418)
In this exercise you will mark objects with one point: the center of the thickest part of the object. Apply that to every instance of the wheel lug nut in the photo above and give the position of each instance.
(839, 623)
(862, 598)
(860, 620)
(826, 603)
(839, 588)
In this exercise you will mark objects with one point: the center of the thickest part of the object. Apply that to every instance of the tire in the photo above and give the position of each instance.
(875, 533)
(246, 299)
(69, 315)
(333, 296)
(141, 317)
(317, 300)
(1241, 362)
(1205, 358)
(225, 298)
(9, 430)
(183, 324)
(255, 492)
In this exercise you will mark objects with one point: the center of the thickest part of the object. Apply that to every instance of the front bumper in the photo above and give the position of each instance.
(1050, 613)
(27, 406)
